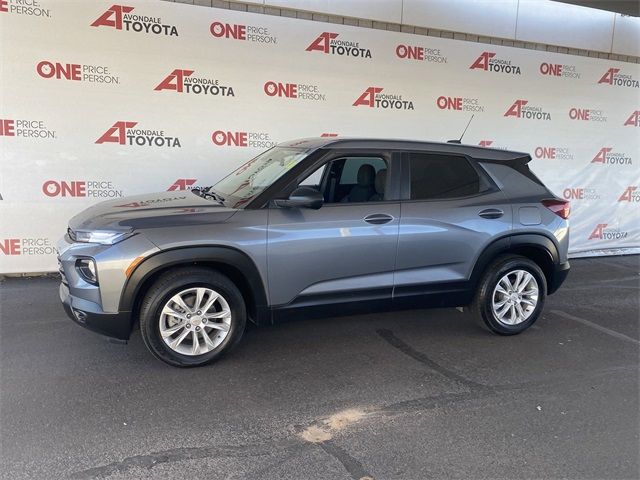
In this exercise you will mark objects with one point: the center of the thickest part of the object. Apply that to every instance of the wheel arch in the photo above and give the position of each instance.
(233, 263)
(536, 247)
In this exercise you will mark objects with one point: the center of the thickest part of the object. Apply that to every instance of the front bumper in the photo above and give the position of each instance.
(97, 306)
(89, 315)
(557, 277)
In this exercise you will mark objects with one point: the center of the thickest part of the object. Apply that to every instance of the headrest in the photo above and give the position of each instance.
(381, 181)
(366, 175)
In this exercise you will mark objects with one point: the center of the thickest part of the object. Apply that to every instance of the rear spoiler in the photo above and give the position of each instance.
(512, 162)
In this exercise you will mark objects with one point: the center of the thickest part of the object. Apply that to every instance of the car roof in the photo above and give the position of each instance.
(474, 151)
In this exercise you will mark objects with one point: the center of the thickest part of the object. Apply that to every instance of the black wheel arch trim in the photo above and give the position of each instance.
(508, 242)
(228, 256)
(536, 240)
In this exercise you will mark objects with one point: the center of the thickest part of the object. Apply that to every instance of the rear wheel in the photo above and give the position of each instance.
(192, 316)
(510, 295)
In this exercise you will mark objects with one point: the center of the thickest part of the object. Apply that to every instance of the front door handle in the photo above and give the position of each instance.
(378, 218)
(491, 213)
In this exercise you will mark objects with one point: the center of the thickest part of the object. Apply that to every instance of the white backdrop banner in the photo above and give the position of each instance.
(101, 100)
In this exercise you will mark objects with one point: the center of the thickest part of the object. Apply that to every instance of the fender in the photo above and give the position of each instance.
(509, 241)
(229, 256)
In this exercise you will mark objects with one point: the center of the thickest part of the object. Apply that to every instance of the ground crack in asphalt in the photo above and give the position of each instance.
(177, 455)
(350, 464)
(408, 350)
(320, 432)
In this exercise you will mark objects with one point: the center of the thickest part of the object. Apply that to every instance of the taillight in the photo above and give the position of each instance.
(560, 207)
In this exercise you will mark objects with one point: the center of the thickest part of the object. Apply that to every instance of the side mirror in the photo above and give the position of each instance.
(302, 197)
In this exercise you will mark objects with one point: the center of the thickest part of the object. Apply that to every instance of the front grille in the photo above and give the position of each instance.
(62, 275)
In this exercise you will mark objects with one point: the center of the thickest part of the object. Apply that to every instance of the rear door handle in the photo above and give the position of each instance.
(491, 213)
(378, 218)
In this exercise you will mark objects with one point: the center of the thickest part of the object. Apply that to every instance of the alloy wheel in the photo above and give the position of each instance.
(195, 321)
(515, 297)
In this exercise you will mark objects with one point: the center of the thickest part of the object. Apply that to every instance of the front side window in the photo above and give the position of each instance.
(350, 180)
(435, 176)
(252, 178)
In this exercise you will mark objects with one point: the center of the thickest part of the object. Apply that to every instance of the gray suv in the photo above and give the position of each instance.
(319, 226)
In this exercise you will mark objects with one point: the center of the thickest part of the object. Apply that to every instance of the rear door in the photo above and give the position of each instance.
(451, 210)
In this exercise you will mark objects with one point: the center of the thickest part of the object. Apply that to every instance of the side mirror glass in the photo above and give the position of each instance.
(302, 197)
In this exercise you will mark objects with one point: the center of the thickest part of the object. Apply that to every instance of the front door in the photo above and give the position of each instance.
(346, 250)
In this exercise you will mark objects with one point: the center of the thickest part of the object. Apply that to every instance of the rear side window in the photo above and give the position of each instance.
(435, 176)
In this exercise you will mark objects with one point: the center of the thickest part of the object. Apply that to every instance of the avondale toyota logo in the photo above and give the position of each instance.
(630, 194)
(521, 109)
(182, 82)
(633, 120)
(374, 98)
(615, 78)
(124, 133)
(606, 156)
(31, 8)
(488, 62)
(329, 43)
(182, 184)
(121, 18)
(601, 232)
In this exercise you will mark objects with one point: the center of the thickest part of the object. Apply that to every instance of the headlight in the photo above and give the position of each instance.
(87, 269)
(104, 237)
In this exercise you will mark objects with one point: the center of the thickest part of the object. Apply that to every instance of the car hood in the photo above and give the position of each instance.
(153, 210)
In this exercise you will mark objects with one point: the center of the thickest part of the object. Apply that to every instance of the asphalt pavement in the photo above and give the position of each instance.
(424, 394)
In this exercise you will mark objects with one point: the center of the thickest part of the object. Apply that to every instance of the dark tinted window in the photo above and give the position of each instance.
(442, 176)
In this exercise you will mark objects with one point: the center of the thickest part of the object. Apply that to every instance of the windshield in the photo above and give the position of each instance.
(257, 174)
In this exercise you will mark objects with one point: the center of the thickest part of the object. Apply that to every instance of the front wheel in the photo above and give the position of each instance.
(510, 295)
(192, 316)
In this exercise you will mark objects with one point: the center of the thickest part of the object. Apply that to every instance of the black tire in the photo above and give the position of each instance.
(167, 286)
(482, 303)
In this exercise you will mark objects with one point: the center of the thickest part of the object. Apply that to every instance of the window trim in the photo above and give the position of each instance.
(405, 191)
